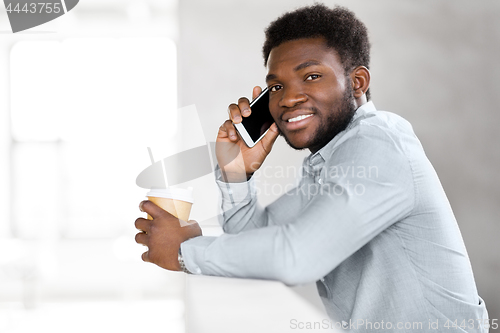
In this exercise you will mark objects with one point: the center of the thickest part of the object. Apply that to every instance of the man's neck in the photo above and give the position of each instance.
(360, 101)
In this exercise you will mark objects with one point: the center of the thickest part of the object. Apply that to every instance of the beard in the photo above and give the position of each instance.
(336, 122)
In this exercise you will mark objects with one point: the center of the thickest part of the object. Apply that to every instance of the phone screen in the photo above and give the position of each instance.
(260, 119)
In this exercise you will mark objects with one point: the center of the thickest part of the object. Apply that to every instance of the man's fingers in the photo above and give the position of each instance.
(227, 130)
(256, 91)
(150, 208)
(142, 224)
(145, 256)
(234, 113)
(141, 238)
(244, 106)
(270, 137)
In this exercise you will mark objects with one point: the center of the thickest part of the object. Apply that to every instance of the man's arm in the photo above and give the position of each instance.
(164, 234)
(240, 209)
(236, 164)
(304, 247)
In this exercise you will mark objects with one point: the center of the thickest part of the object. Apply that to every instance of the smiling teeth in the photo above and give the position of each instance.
(299, 118)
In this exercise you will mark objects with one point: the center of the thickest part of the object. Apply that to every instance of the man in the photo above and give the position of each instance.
(369, 221)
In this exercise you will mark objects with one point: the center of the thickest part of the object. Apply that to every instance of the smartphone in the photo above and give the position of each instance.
(254, 127)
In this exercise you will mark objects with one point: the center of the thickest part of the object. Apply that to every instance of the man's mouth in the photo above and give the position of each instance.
(298, 118)
(293, 122)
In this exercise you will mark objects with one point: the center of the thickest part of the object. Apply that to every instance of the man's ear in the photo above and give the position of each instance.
(360, 78)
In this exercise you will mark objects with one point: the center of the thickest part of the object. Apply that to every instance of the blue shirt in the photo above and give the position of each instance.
(369, 222)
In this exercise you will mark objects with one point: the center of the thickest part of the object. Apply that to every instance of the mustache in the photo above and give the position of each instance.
(310, 108)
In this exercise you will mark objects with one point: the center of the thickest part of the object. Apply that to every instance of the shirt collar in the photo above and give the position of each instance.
(363, 110)
(317, 159)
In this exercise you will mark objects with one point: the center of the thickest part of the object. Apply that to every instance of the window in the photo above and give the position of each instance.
(75, 104)
(83, 111)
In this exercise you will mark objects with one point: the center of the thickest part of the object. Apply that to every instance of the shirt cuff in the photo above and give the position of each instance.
(193, 251)
(234, 194)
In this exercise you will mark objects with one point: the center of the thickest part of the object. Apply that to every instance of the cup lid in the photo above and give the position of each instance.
(183, 194)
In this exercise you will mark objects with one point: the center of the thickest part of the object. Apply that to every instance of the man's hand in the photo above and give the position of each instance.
(163, 235)
(236, 160)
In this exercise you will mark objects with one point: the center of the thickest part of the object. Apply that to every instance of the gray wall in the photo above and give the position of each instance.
(433, 62)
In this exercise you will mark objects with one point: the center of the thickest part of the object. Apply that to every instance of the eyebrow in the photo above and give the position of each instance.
(303, 65)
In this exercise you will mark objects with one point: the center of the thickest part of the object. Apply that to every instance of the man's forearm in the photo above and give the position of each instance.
(240, 210)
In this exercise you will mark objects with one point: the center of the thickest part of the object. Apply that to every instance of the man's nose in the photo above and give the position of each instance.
(292, 96)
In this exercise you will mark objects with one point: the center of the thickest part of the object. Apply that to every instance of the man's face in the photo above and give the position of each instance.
(311, 99)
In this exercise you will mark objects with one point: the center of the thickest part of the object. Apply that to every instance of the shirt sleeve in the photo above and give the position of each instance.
(240, 209)
(367, 185)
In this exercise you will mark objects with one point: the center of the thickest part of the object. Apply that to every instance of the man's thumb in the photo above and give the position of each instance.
(270, 137)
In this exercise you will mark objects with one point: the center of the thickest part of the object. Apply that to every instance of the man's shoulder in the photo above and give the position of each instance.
(375, 130)
(379, 123)
(379, 130)
(385, 120)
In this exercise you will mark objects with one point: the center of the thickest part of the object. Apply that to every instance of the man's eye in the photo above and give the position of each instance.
(313, 77)
(275, 88)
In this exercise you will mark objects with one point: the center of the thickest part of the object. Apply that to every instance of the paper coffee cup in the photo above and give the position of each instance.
(176, 201)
